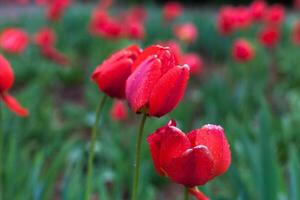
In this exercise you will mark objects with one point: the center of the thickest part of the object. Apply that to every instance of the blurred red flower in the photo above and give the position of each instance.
(269, 36)
(157, 83)
(225, 20)
(56, 8)
(45, 37)
(6, 82)
(53, 54)
(190, 159)
(112, 74)
(275, 15)
(297, 4)
(172, 10)
(186, 32)
(14, 40)
(258, 9)
(296, 33)
(242, 51)
(119, 111)
(242, 17)
(194, 61)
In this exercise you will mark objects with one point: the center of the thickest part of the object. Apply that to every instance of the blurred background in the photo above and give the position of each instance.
(253, 93)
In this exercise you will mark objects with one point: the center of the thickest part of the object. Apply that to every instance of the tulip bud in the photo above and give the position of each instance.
(242, 51)
(14, 40)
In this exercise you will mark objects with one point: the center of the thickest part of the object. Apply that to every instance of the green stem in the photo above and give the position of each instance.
(186, 193)
(1, 156)
(138, 159)
(89, 185)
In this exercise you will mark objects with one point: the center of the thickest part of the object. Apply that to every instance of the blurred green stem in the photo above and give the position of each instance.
(186, 193)
(1, 155)
(138, 159)
(89, 185)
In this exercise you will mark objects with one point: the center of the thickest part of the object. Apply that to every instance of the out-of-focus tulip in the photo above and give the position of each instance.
(6, 82)
(258, 9)
(134, 30)
(242, 17)
(275, 15)
(112, 74)
(45, 37)
(172, 10)
(53, 54)
(186, 32)
(269, 36)
(157, 83)
(190, 159)
(242, 51)
(225, 21)
(194, 61)
(56, 8)
(296, 33)
(14, 40)
(118, 111)
(297, 4)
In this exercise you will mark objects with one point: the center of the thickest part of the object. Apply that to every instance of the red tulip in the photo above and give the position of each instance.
(53, 54)
(172, 10)
(225, 21)
(14, 40)
(45, 37)
(192, 159)
(242, 17)
(275, 15)
(119, 111)
(258, 9)
(269, 36)
(186, 32)
(194, 61)
(112, 74)
(134, 30)
(6, 82)
(296, 33)
(242, 50)
(56, 8)
(157, 83)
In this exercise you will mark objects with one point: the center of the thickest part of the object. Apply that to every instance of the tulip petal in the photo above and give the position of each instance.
(6, 75)
(168, 91)
(198, 194)
(14, 105)
(214, 139)
(193, 168)
(141, 82)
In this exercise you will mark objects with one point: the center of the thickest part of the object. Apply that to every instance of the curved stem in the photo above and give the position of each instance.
(138, 159)
(89, 185)
(186, 193)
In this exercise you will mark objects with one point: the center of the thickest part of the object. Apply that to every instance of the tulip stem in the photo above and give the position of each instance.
(89, 185)
(138, 159)
(186, 193)
(1, 155)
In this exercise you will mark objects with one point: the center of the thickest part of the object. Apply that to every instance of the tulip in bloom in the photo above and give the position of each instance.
(269, 36)
(45, 37)
(194, 61)
(14, 40)
(6, 82)
(157, 83)
(172, 10)
(190, 159)
(275, 15)
(56, 8)
(242, 50)
(186, 32)
(258, 9)
(119, 111)
(242, 17)
(296, 33)
(112, 74)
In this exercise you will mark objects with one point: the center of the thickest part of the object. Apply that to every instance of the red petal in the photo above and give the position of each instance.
(193, 168)
(198, 194)
(141, 82)
(6, 75)
(214, 139)
(14, 105)
(166, 144)
(168, 91)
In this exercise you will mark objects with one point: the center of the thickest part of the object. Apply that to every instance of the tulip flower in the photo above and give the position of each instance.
(53, 54)
(269, 36)
(172, 10)
(112, 74)
(275, 15)
(242, 51)
(157, 83)
(14, 40)
(118, 111)
(258, 9)
(190, 159)
(242, 18)
(186, 32)
(296, 33)
(45, 37)
(6, 82)
(194, 61)
(56, 8)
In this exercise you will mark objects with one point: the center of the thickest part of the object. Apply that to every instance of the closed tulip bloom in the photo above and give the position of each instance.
(186, 32)
(225, 20)
(194, 61)
(112, 74)
(157, 83)
(6, 82)
(242, 50)
(56, 8)
(275, 15)
(172, 10)
(296, 33)
(45, 37)
(14, 40)
(258, 9)
(242, 17)
(134, 30)
(269, 36)
(119, 111)
(190, 159)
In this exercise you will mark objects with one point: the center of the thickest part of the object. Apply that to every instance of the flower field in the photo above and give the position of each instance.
(109, 101)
